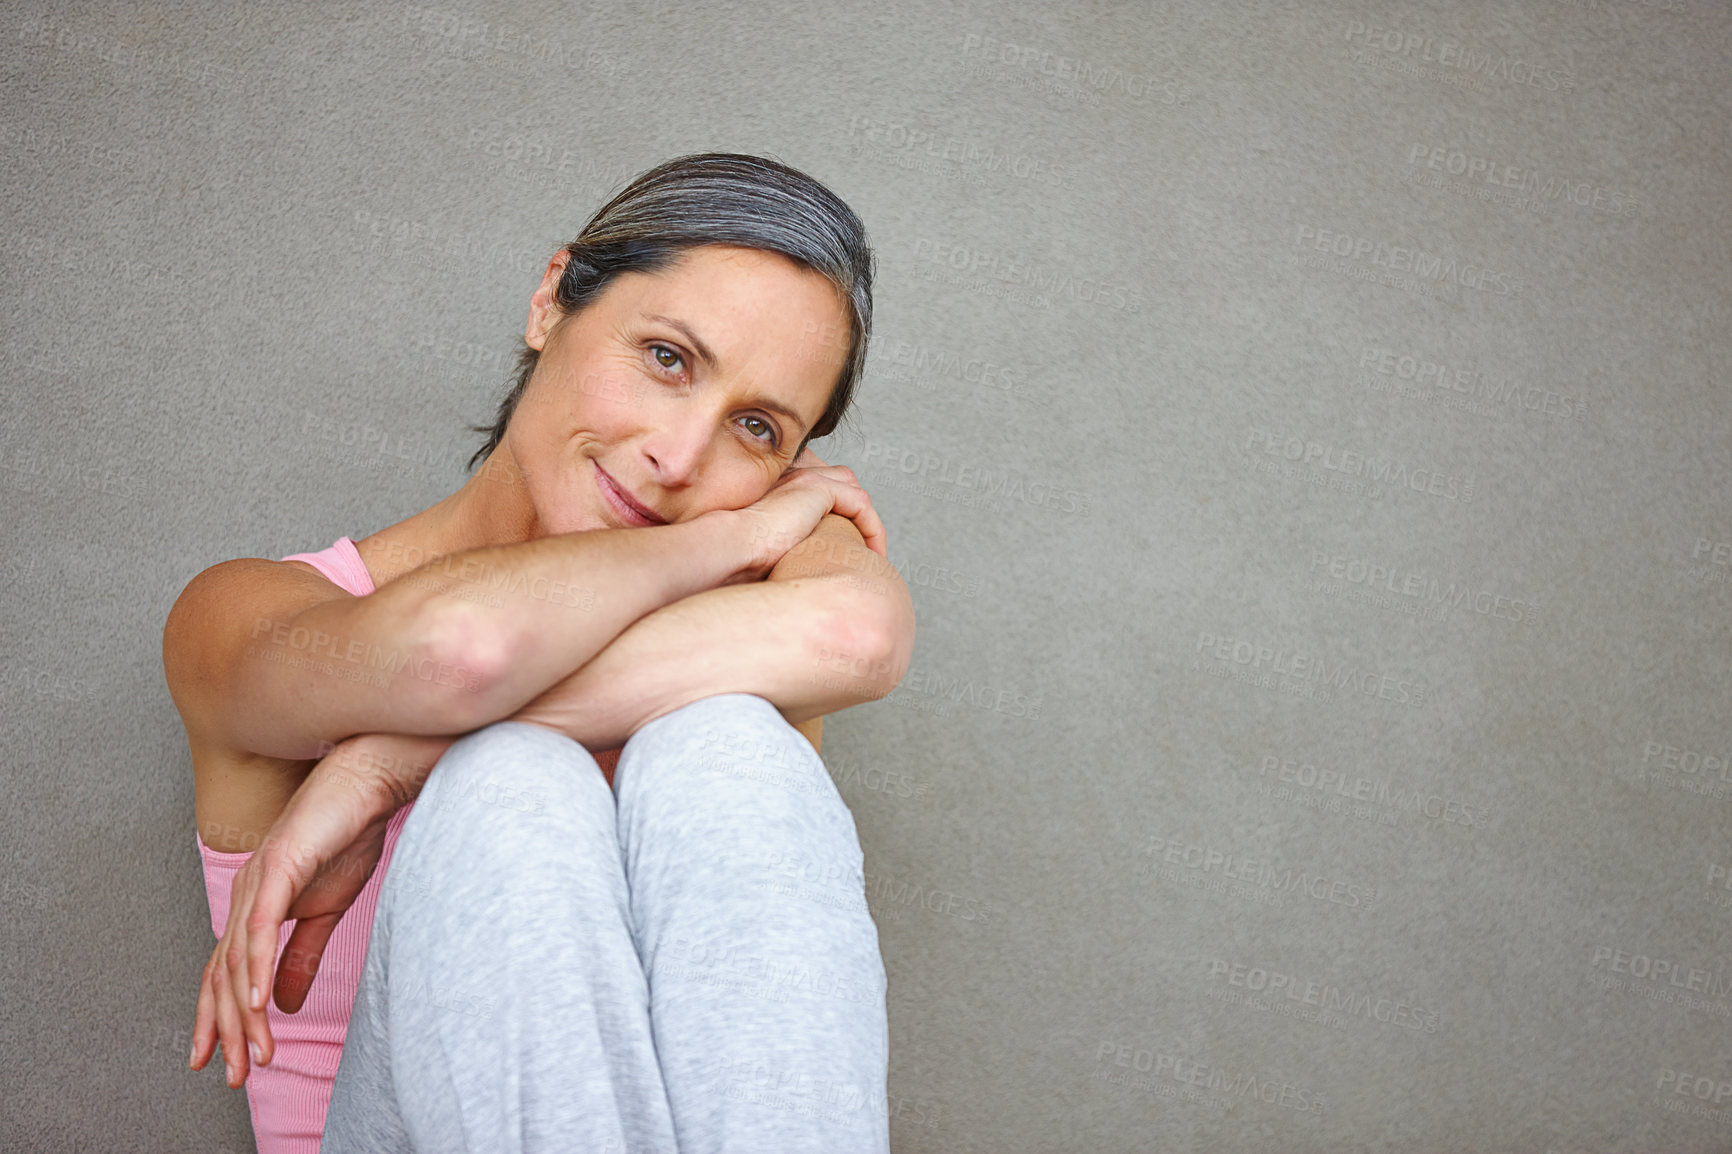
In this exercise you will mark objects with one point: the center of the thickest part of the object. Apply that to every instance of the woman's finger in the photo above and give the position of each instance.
(261, 924)
(204, 1031)
(301, 957)
(854, 503)
(229, 1030)
(848, 499)
(238, 959)
(266, 909)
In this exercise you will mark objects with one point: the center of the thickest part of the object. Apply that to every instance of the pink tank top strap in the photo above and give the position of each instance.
(342, 564)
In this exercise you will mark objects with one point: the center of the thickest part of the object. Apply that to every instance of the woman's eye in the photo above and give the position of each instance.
(765, 425)
(665, 357)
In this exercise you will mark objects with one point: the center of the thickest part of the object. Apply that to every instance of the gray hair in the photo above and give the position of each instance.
(716, 198)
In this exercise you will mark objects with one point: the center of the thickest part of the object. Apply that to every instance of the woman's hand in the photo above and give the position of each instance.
(313, 863)
(800, 498)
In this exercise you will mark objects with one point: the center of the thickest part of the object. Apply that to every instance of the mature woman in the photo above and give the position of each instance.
(533, 773)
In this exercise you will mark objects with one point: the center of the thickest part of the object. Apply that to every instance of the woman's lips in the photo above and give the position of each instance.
(628, 509)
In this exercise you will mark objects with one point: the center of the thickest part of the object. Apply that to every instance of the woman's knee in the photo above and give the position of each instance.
(512, 764)
(508, 791)
(733, 755)
(727, 726)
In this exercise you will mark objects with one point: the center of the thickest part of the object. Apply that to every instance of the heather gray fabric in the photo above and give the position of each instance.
(693, 970)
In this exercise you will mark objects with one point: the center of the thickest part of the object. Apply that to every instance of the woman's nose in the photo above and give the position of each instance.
(677, 447)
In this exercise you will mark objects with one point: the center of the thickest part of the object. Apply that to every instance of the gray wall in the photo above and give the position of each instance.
(1305, 429)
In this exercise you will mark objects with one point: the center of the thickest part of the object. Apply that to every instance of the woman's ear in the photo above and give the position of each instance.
(544, 311)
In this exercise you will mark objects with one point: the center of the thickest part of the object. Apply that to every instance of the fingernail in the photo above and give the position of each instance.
(254, 1049)
(192, 1058)
(258, 1002)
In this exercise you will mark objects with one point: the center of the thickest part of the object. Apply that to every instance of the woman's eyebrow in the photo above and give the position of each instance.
(697, 342)
(776, 406)
(709, 359)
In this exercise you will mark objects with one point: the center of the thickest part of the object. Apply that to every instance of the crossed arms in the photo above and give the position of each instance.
(832, 626)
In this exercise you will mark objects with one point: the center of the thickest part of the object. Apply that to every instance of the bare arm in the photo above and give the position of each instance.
(267, 657)
(833, 626)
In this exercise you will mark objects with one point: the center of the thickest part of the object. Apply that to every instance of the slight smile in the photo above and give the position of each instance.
(629, 509)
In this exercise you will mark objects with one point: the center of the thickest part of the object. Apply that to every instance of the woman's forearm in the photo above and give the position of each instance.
(389, 769)
(832, 626)
(530, 613)
(448, 646)
(720, 641)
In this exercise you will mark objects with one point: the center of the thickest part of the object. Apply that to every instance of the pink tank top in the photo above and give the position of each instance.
(289, 1097)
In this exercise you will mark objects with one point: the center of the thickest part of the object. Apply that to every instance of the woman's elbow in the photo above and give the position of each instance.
(471, 664)
(871, 630)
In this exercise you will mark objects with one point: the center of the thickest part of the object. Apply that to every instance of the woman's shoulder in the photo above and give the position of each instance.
(212, 628)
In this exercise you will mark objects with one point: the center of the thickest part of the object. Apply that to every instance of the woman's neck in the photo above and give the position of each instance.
(490, 509)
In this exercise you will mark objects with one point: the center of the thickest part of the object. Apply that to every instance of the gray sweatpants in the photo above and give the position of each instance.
(688, 966)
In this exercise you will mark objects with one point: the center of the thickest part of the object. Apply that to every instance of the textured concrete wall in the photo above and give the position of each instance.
(1303, 427)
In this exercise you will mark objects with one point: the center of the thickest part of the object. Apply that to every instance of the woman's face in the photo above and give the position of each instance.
(676, 392)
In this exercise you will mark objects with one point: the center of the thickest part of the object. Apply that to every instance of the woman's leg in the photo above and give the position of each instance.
(766, 985)
(503, 1005)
